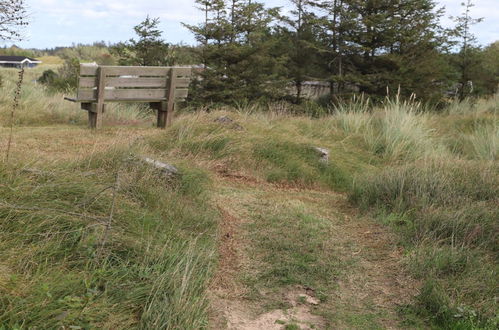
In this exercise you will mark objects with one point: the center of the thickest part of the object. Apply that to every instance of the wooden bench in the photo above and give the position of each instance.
(161, 87)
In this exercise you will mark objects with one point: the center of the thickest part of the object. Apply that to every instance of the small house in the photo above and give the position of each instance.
(8, 61)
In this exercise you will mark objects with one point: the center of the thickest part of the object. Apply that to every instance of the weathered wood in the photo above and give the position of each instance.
(71, 99)
(181, 93)
(142, 82)
(182, 72)
(92, 107)
(162, 108)
(171, 96)
(140, 71)
(161, 87)
(150, 71)
(92, 119)
(117, 95)
(101, 94)
(87, 82)
(88, 70)
(183, 82)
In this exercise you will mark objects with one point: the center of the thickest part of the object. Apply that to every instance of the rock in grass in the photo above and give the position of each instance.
(227, 120)
(324, 154)
(167, 169)
(224, 120)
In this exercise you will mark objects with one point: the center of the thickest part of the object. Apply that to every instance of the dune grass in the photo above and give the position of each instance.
(431, 177)
(106, 243)
(41, 107)
(441, 196)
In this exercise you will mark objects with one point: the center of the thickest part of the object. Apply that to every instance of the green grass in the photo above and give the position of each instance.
(151, 272)
(430, 177)
(447, 214)
(289, 247)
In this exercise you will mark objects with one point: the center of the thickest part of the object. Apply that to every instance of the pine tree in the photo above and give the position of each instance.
(298, 37)
(148, 50)
(236, 42)
(468, 49)
(376, 44)
(335, 22)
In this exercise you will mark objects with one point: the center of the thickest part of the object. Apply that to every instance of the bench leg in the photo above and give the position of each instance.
(92, 120)
(162, 118)
(91, 108)
(169, 111)
(161, 108)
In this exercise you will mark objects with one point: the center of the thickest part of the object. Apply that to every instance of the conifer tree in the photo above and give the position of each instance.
(298, 37)
(148, 50)
(236, 38)
(468, 49)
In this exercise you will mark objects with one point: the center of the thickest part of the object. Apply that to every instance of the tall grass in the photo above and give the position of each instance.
(40, 107)
(431, 176)
(155, 264)
(353, 117)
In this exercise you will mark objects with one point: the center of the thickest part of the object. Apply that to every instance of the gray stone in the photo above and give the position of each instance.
(224, 120)
(167, 169)
(227, 120)
(323, 153)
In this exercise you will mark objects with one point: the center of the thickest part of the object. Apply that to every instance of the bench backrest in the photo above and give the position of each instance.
(132, 83)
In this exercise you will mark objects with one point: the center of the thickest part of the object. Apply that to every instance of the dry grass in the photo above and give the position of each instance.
(428, 176)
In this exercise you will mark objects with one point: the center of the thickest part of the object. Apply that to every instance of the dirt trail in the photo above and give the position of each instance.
(366, 293)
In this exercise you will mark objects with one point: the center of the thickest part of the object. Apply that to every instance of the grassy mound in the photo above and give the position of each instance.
(104, 243)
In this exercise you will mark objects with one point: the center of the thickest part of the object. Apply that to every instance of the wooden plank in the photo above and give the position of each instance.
(137, 82)
(135, 94)
(86, 95)
(91, 82)
(88, 70)
(117, 95)
(161, 107)
(181, 93)
(182, 72)
(182, 82)
(101, 94)
(137, 71)
(87, 82)
(171, 97)
(91, 70)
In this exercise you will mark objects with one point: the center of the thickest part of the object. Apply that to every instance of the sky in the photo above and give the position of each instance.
(64, 22)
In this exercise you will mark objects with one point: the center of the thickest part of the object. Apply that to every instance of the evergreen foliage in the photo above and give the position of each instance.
(148, 50)
(372, 47)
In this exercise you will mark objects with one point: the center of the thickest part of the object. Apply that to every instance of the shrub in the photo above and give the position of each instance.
(48, 77)
(66, 78)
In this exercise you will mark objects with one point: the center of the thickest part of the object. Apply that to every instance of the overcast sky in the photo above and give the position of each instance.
(63, 22)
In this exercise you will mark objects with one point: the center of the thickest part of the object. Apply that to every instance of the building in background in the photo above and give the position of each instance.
(18, 61)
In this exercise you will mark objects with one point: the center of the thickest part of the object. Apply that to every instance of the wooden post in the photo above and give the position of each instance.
(163, 115)
(171, 97)
(161, 108)
(92, 115)
(101, 90)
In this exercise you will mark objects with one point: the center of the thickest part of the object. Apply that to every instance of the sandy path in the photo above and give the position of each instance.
(370, 289)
